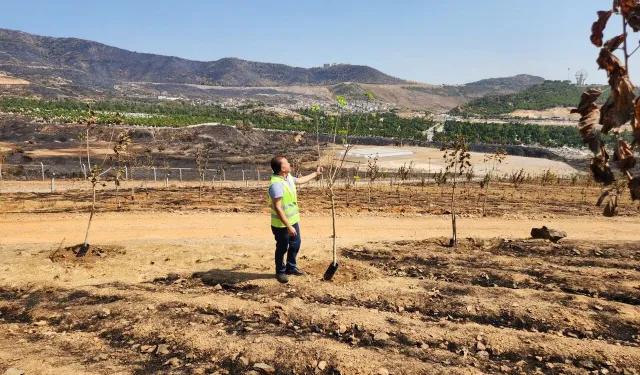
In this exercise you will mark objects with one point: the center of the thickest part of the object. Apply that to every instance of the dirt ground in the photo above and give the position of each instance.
(178, 284)
(430, 159)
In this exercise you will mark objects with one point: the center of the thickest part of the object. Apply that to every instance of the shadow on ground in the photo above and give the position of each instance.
(232, 276)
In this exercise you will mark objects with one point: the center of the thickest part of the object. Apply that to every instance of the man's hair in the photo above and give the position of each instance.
(276, 164)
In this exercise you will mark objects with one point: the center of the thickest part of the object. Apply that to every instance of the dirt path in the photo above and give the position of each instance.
(124, 227)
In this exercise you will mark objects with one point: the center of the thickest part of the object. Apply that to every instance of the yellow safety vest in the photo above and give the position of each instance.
(289, 202)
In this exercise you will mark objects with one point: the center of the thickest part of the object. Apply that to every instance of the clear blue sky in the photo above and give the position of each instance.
(429, 41)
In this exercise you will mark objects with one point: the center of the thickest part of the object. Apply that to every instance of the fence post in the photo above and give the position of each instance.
(42, 166)
(224, 177)
(155, 178)
(84, 170)
(126, 172)
(180, 169)
(0, 171)
(53, 177)
(243, 180)
(166, 181)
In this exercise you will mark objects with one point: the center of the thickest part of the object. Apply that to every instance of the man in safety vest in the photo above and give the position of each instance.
(283, 200)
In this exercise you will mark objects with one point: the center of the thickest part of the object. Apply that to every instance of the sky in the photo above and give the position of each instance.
(427, 41)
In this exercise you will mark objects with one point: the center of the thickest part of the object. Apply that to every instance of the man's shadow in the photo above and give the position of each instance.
(229, 277)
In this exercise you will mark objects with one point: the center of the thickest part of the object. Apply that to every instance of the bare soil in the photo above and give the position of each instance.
(182, 286)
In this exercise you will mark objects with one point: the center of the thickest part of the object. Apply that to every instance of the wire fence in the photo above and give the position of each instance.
(169, 176)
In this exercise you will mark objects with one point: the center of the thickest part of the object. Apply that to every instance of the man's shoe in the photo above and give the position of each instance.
(296, 272)
(282, 277)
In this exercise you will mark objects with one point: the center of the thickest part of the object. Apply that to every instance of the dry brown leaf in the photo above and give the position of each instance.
(610, 209)
(601, 171)
(631, 12)
(590, 116)
(587, 98)
(619, 108)
(615, 42)
(608, 61)
(598, 27)
(602, 197)
(624, 155)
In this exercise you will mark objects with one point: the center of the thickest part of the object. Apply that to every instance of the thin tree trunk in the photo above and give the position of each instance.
(333, 222)
(453, 214)
(88, 156)
(484, 203)
(117, 197)
(93, 208)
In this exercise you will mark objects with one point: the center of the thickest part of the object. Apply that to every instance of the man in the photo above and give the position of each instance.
(283, 200)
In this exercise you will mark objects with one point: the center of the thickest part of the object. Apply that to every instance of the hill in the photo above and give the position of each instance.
(83, 62)
(490, 86)
(549, 94)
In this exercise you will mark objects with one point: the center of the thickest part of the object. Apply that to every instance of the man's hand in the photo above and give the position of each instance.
(319, 171)
(292, 231)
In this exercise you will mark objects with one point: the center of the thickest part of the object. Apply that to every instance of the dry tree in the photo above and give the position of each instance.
(457, 160)
(492, 163)
(202, 163)
(373, 172)
(404, 173)
(335, 168)
(119, 150)
(620, 108)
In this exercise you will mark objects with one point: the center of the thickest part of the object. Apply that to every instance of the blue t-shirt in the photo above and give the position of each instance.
(277, 190)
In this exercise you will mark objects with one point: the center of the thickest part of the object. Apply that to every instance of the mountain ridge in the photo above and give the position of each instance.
(72, 58)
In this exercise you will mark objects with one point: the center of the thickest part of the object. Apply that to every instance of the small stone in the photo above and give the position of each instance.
(41, 323)
(479, 338)
(598, 307)
(13, 371)
(244, 361)
(104, 313)
(504, 368)
(383, 371)
(515, 304)
(548, 234)
(381, 336)
(218, 287)
(173, 362)
(342, 328)
(604, 371)
(322, 365)
(147, 348)
(264, 367)
(480, 346)
(482, 354)
(549, 365)
(538, 358)
(588, 364)
(163, 349)
(247, 329)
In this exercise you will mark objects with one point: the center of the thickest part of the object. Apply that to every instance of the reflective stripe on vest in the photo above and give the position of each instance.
(289, 202)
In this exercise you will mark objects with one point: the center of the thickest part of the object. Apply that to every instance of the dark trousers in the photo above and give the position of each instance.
(285, 244)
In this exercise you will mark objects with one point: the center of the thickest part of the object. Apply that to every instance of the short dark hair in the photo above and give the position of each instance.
(276, 164)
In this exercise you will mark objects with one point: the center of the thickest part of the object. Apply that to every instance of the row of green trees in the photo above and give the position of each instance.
(516, 134)
(180, 114)
(546, 95)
